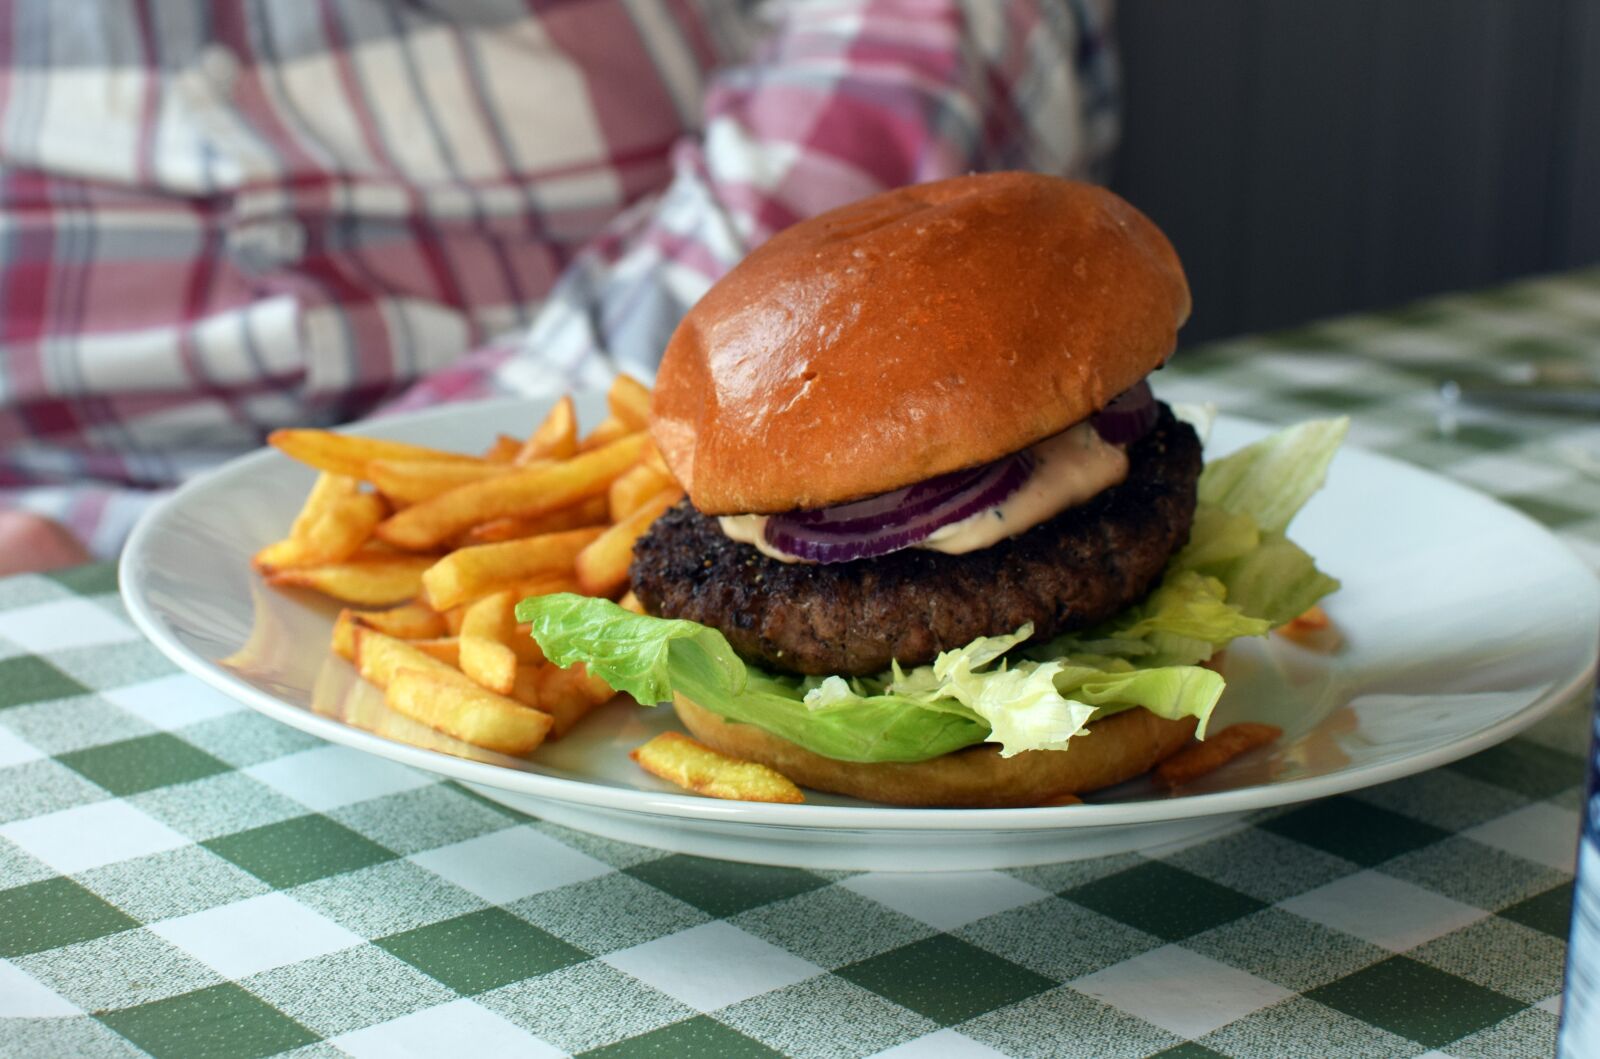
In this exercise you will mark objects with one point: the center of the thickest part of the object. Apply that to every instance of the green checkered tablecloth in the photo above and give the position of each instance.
(182, 877)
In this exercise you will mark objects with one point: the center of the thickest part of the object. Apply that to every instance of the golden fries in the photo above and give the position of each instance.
(503, 450)
(590, 512)
(378, 657)
(629, 402)
(409, 621)
(652, 458)
(445, 649)
(523, 645)
(348, 454)
(554, 439)
(370, 582)
(696, 767)
(545, 586)
(487, 628)
(468, 573)
(610, 429)
(432, 551)
(336, 520)
(602, 567)
(457, 707)
(525, 492)
(633, 488)
(437, 695)
(413, 481)
(1313, 630)
(1219, 748)
(567, 695)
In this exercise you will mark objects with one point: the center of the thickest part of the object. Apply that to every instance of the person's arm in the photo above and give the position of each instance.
(31, 543)
(831, 102)
(835, 102)
(46, 527)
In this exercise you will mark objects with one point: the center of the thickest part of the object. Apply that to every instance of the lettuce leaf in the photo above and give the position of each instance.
(651, 658)
(1239, 575)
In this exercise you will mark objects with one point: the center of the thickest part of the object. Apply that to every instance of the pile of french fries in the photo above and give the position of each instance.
(432, 551)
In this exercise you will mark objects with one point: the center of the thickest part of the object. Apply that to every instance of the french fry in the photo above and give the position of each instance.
(281, 555)
(567, 696)
(490, 664)
(629, 401)
(413, 481)
(554, 439)
(409, 621)
(446, 649)
(696, 767)
(349, 454)
(342, 529)
(343, 640)
(1062, 799)
(1313, 630)
(368, 582)
(633, 488)
(651, 457)
(336, 519)
(545, 586)
(434, 555)
(452, 619)
(525, 492)
(468, 573)
(590, 512)
(487, 628)
(1219, 748)
(609, 429)
(326, 491)
(413, 620)
(379, 657)
(629, 601)
(526, 648)
(602, 567)
(504, 449)
(456, 706)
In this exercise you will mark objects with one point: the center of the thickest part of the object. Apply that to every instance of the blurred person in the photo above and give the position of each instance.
(219, 219)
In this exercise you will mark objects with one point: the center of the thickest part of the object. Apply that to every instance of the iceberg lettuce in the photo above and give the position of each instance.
(1239, 575)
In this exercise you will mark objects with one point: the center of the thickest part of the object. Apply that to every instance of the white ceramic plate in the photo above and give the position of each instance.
(1464, 622)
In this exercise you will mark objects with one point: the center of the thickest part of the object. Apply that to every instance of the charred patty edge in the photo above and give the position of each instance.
(1067, 573)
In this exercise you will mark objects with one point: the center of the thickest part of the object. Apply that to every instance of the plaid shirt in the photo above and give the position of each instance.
(223, 218)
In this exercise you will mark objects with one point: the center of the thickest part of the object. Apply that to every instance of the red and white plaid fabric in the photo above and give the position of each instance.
(221, 218)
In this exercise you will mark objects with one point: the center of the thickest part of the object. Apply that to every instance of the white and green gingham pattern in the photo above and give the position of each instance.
(181, 877)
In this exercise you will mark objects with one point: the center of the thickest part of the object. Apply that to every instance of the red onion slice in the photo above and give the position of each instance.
(1129, 416)
(901, 505)
(887, 523)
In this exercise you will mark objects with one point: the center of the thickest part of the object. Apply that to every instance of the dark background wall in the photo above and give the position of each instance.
(1310, 157)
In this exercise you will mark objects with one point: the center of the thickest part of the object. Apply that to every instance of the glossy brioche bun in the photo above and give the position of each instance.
(1118, 748)
(919, 331)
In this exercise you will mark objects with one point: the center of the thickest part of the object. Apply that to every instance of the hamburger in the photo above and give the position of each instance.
(941, 545)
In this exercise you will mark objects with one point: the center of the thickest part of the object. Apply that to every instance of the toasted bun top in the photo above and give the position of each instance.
(920, 331)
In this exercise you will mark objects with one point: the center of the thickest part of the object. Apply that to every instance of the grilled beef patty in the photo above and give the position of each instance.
(852, 618)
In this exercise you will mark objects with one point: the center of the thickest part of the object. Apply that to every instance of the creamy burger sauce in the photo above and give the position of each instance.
(1068, 469)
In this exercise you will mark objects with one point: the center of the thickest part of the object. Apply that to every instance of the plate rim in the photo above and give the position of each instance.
(811, 817)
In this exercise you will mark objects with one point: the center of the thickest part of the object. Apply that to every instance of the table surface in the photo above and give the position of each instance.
(181, 877)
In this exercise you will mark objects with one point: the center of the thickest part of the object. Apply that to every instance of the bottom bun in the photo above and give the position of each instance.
(1118, 748)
